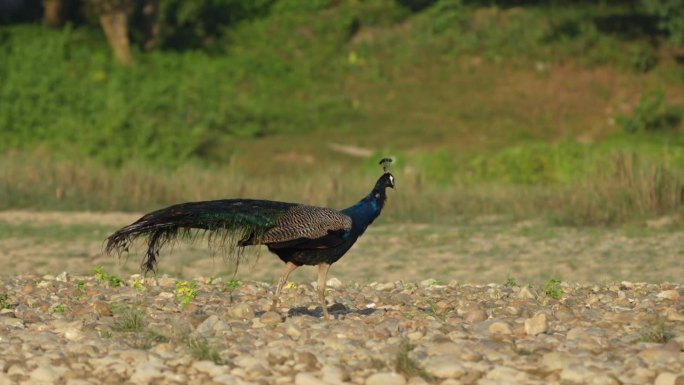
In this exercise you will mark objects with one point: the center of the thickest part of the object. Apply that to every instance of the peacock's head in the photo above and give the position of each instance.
(387, 179)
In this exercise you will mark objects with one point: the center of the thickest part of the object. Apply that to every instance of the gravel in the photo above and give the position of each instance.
(70, 330)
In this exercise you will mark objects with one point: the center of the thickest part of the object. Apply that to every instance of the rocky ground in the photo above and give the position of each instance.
(102, 330)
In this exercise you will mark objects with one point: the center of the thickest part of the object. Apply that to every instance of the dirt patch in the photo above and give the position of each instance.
(478, 252)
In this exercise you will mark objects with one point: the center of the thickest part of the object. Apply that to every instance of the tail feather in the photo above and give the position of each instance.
(231, 225)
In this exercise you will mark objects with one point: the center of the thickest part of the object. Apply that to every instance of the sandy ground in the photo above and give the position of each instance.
(479, 251)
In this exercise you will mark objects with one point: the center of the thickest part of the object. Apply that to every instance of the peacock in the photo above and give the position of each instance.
(298, 234)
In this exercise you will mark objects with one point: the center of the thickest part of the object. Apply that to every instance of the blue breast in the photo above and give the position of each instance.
(362, 214)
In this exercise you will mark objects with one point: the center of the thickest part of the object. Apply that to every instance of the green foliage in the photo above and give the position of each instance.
(58, 309)
(552, 288)
(671, 17)
(651, 114)
(511, 282)
(128, 319)
(231, 285)
(4, 301)
(186, 291)
(200, 349)
(111, 280)
(408, 366)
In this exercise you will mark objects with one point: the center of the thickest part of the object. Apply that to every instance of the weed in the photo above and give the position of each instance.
(112, 281)
(187, 291)
(656, 332)
(552, 288)
(128, 320)
(138, 284)
(511, 282)
(201, 350)
(231, 285)
(58, 309)
(81, 287)
(410, 315)
(435, 313)
(4, 301)
(651, 114)
(408, 366)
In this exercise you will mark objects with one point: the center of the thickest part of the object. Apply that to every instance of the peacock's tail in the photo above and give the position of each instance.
(230, 224)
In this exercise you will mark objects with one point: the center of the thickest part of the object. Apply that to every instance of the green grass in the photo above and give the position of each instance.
(408, 366)
(4, 301)
(466, 97)
(108, 279)
(200, 349)
(128, 319)
(552, 288)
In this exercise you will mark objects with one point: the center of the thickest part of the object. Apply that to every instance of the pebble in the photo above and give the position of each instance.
(457, 334)
(667, 378)
(386, 378)
(536, 325)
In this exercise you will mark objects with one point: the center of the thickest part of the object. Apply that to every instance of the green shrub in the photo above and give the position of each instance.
(671, 17)
(651, 114)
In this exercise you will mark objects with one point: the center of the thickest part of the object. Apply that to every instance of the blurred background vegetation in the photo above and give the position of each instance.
(567, 110)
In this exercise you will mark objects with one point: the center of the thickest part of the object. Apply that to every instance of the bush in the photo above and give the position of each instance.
(671, 15)
(651, 114)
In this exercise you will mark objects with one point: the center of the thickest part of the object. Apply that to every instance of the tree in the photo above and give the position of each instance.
(114, 16)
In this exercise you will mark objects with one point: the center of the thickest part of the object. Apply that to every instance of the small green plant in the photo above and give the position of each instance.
(408, 366)
(4, 301)
(58, 309)
(231, 285)
(432, 309)
(651, 114)
(138, 284)
(511, 282)
(201, 350)
(81, 286)
(410, 315)
(128, 320)
(552, 288)
(109, 279)
(186, 291)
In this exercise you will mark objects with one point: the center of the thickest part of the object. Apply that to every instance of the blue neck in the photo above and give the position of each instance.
(364, 212)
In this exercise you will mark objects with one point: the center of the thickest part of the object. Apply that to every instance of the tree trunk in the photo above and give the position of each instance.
(54, 14)
(152, 25)
(115, 26)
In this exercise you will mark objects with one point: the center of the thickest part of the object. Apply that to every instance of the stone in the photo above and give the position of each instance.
(386, 378)
(102, 309)
(307, 379)
(206, 328)
(241, 311)
(44, 373)
(11, 322)
(499, 327)
(293, 331)
(444, 366)
(536, 325)
(672, 295)
(667, 378)
(307, 359)
(334, 283)
(209, 368)
(334, 374)
(576, 373)
(271, 318)
(146, 372)
(504, 374)
(525, 293)
(63, 277)
(474, 316)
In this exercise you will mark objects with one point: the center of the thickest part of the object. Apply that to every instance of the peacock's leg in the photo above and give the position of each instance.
(322, 274)
(289, 268)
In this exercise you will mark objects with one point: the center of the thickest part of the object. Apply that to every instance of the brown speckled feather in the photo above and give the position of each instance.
(306, 222)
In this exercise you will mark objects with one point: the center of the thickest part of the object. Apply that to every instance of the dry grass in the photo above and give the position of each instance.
(628, 187)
